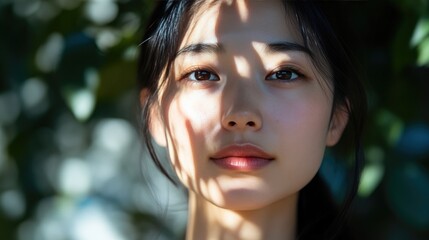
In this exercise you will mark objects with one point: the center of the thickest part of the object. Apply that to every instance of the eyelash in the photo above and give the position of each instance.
(291, 69)
(191, 71)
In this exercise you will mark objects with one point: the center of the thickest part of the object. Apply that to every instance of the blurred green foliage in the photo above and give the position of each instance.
(72, 165)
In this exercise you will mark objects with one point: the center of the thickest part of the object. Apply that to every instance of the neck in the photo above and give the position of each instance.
(208, 221)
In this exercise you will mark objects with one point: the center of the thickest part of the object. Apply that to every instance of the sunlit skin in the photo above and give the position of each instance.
(230, 85)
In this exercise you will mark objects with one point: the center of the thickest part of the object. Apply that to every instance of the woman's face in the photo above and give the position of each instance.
(246, 116)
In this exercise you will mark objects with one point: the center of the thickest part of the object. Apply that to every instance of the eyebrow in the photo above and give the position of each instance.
(197, 48)
(286, 47)
(200, 48)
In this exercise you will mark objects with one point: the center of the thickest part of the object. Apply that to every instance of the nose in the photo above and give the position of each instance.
(241, 103)
(242, 120)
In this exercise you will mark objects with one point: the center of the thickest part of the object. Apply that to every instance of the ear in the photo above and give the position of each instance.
(338, 123)
(156, 125)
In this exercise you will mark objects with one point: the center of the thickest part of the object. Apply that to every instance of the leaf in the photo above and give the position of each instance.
(420, 32)
(373, 172)
(423, 53)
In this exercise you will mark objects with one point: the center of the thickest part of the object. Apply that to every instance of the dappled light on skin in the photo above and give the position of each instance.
(192, 114)
(226, 224)
(174, 147)
(242, 66)
(234, 226)
(40, 135)
(208, 187)
(244, 230)
(187, 173)
(242, 10)
(214, 193)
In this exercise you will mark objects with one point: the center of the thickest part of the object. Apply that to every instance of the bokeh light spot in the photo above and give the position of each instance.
(113, 135)
(82, 103)
(74, 177)
(101, 11)
(107, 38)
(25, 8)
(10, 107)
(12, 203)
(49, 54)
(370, 179)
(34, 95)
(91, 223)
(47, 11)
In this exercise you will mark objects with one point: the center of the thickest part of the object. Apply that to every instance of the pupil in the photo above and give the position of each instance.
(201, 75)
(284, 74)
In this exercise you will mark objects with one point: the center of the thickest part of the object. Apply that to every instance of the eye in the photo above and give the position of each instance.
(202, 75)
(284, 75)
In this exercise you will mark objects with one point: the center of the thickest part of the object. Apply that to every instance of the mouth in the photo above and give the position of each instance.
(243, 157)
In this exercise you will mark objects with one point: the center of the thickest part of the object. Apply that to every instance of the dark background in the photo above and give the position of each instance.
(72, 165)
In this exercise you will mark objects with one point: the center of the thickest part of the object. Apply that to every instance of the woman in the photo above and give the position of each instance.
(246, 96)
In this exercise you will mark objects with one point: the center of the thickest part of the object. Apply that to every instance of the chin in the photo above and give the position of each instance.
(244, 200)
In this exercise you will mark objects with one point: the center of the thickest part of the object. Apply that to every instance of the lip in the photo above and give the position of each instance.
(242, 157)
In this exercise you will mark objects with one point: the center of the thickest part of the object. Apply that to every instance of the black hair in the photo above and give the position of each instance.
(318, 217)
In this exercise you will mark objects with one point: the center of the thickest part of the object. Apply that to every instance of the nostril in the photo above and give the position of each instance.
(231, 123)
(251, 124)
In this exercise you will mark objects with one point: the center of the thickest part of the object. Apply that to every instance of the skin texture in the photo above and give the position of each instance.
(241, 102)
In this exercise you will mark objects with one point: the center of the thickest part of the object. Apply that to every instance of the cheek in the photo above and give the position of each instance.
(302, 117)
(190, 123)
(302, 128)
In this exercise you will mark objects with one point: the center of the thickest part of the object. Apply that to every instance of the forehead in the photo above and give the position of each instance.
(252, 21)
